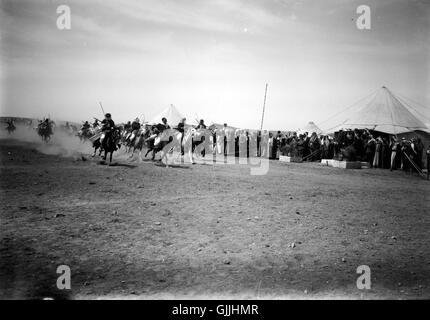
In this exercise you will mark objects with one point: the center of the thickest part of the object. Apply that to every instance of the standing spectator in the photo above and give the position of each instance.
(370, 150)
(394, 146)
(428, 161)
(306, 149)
(402, 153)
(385, 154)
(419, 149)
(258, 144)
(270, 145)
(378, 152)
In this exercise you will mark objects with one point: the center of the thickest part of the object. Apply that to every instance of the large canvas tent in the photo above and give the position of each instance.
(172, 115)
(383, 112)
(310, 127)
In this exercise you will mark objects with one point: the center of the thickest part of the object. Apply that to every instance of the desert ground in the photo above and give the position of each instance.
(138, 230)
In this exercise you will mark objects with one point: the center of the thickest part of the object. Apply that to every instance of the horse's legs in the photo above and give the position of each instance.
(167, 160)
(149, 150)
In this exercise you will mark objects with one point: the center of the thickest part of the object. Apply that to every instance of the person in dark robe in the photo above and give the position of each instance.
(258, 144)
(107, 127)
(225, 139)
(201, 125)
(385, 154)
(419, 149)
(163, 125)
(127, 127)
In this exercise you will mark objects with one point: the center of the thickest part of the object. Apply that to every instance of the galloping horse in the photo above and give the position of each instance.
(162, 140)
(109, 145)
(199, 137)
(44, 130)
(130, 139)
(84, 134)
(10, 127)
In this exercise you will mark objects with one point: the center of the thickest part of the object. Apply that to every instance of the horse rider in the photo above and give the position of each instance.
(107, 126)
(95, 123)
(154, 132)
(135, 127)
(201, 125)
(127, 129)
(163, 125)
(85, 127)
(10, 123)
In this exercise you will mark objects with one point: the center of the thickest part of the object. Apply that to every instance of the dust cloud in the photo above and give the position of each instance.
(62, 143)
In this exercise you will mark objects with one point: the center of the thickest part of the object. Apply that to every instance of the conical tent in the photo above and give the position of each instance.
(172, 115)
(385, 113)
(310, 128)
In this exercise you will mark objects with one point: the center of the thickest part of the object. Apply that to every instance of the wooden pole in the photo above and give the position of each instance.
(264, 107)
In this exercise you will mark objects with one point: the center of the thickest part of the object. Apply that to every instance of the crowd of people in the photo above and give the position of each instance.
(378, 149)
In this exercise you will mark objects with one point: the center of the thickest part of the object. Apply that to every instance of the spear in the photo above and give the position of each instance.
(102, 108)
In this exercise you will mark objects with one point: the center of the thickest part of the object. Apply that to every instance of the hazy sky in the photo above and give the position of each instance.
(210, 58)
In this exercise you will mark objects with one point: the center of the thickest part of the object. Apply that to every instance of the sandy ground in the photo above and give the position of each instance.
(141, 231)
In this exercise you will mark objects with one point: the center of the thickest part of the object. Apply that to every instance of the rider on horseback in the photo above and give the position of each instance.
(135, 127)
(10, 126)
(127, 126)
(107, 126)
(86, 126)
(163, 126)
(95, 123)
(201, 125)
(127, 130)
(85, 131)
(45, 128)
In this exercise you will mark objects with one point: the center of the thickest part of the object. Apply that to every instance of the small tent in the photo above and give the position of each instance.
(172, 115)
(310, 128)
(384, 112)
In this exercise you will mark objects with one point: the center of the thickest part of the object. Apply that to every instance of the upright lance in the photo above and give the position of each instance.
(102, 109)
(264, 107)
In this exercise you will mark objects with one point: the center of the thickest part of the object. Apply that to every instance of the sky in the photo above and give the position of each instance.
(210, 58)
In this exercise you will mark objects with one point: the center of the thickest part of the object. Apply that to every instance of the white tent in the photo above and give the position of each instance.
(172, 115)
(385, 113)
(310, 128)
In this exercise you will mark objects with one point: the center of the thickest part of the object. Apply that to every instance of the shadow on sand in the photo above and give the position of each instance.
(117, 164)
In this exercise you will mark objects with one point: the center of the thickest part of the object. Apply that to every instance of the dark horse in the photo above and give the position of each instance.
(10, 127)
(44, 130)
(109, 145)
